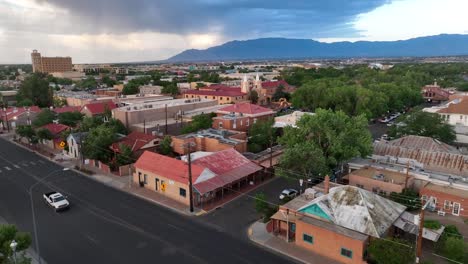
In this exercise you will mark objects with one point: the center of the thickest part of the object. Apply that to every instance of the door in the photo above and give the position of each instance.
(456, 209)
(156, 182)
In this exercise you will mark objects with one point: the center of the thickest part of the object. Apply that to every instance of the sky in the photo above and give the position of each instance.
(99, 31)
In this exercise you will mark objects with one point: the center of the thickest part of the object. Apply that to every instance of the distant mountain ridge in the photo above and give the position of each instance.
(283, 48)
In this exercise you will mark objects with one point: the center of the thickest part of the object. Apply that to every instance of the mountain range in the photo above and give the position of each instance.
(283, 48)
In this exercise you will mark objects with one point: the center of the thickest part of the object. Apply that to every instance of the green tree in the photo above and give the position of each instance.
(117, 126)
(200, 85)
(253, 96)
(395, 251)
(90, 122)
(70, 118)
(125, 156)
(8, 233)
(130, 88)
(337, 136)
(97, 142)
(44, 117)
(44, 134)
(88, 83)
(408, 198)
(108, 81)
(35, 89)
(26, 132)
(165, 147)
(280, 93)
(171, 89)
(455, 248)
(425, 124)
(201, 121)
(262, 134)
(25, 102)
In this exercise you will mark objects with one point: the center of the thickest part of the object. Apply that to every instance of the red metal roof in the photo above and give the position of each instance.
(170, 168)
(217, 90)
(55, 129)
(271, 84)
(245, 108)
(135, 141)
(12, 112)
(458, 106)
(66, 109)
(99, 108)
(228, 165)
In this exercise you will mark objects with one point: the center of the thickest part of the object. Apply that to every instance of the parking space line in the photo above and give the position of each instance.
(24, 164)
(32, 163)
(16, 166)
(41, 161)
(7, 168)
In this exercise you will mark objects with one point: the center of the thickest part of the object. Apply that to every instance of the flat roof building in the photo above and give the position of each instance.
(50, 64)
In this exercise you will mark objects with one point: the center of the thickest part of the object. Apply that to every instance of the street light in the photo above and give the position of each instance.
(36, 238)
(13, 246)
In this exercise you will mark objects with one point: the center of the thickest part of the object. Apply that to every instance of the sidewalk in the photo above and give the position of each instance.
(257, 233)
(30, 253)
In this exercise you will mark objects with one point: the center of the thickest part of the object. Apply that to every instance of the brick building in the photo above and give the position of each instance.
(447, 198)
(211, 140)
(380, 181)
(434, 93)
(241, 116)
(96, 109)
(50, 64)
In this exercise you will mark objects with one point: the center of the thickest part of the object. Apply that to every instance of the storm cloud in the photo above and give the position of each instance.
(235, 18)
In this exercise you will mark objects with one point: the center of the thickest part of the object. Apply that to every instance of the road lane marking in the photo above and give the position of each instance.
(32, 163)
(175, 227)
(7, 168)
(16, 166)
(24, 164)
(41, 161)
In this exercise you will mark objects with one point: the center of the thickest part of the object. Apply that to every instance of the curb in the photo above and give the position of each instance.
(272, 249)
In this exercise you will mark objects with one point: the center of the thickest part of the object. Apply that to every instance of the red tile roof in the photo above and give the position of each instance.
(135, 141)
(228, 165)
(246, 108)
(55, 129)
(12, 112)
(98, 108)
(458, 106)
(170, 168)
(66, 109)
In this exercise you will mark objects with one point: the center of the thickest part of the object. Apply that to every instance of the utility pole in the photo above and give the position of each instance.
(165, 109)
(271, 151)
(407, 175)
(144, 126)
(420, 229)
(6, 119)
(189, 159)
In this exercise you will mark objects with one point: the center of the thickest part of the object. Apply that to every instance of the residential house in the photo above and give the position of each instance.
(222, 93)
(13, 117)
(74, 141)
(56, 130)
(380, 181)
(448, 199)
(213, 176)
(8, 98)
(337, 224)
(290, 119)
(137, 142)
(241, 116)
(211, 140)
(455, 113)
(97, 109)
(66, 109)
(422, 153)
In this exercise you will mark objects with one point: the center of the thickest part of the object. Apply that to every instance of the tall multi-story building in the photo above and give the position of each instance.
(50, 64)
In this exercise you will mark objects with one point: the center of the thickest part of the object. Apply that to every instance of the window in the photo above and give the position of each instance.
(424, 198)
(182, 192)
(382, 193)
(308, 238)
(234, 125)
(229, 98)
(221, 98)
(293, 227)
(360, 186)
(346, 253)
(247, 122)
(447, 205)
(145, 179)
(206, 97)
(220, 124)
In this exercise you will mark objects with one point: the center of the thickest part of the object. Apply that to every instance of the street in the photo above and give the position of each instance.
(105, 225)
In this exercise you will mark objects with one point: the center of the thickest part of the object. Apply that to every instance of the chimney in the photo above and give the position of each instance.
(326, 184)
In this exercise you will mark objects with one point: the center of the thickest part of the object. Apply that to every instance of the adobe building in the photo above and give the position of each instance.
(222, 93)
(434, 93)
(241, 116)
(265, 90)
(211, 140)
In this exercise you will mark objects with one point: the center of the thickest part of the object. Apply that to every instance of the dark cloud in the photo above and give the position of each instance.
(234, 18)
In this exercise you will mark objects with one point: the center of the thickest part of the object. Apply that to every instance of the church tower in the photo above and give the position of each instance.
(245, 85)
(258, 82)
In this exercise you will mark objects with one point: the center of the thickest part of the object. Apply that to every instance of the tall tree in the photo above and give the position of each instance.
(425, 124)
(334, 135)
(26, 132)
(8, 233)
(253, 96)
(262, 134)
(171, 89)
(201, 121)
(97, 142)
(44, 117)
(165, 147)
(392, 251)
(125, 156)
(70, 118)
(35, 88)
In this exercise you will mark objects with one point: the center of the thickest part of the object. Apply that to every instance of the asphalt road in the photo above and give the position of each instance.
(105, 225)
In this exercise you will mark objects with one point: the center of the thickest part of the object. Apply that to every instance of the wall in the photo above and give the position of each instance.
(329, 244)
(220, 99)
(441, 197)
(369, 184)
(238, 124)
(172, 187)
(205, 144)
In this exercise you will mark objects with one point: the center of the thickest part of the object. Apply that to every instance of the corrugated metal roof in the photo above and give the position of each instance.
(358, 210)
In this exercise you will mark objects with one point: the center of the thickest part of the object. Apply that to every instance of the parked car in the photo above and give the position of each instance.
(288, 193)
(56, 200)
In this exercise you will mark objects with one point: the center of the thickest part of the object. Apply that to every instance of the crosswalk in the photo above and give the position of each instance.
(24, 164)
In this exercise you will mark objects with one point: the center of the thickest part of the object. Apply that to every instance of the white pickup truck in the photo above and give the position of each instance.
(56, 200)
